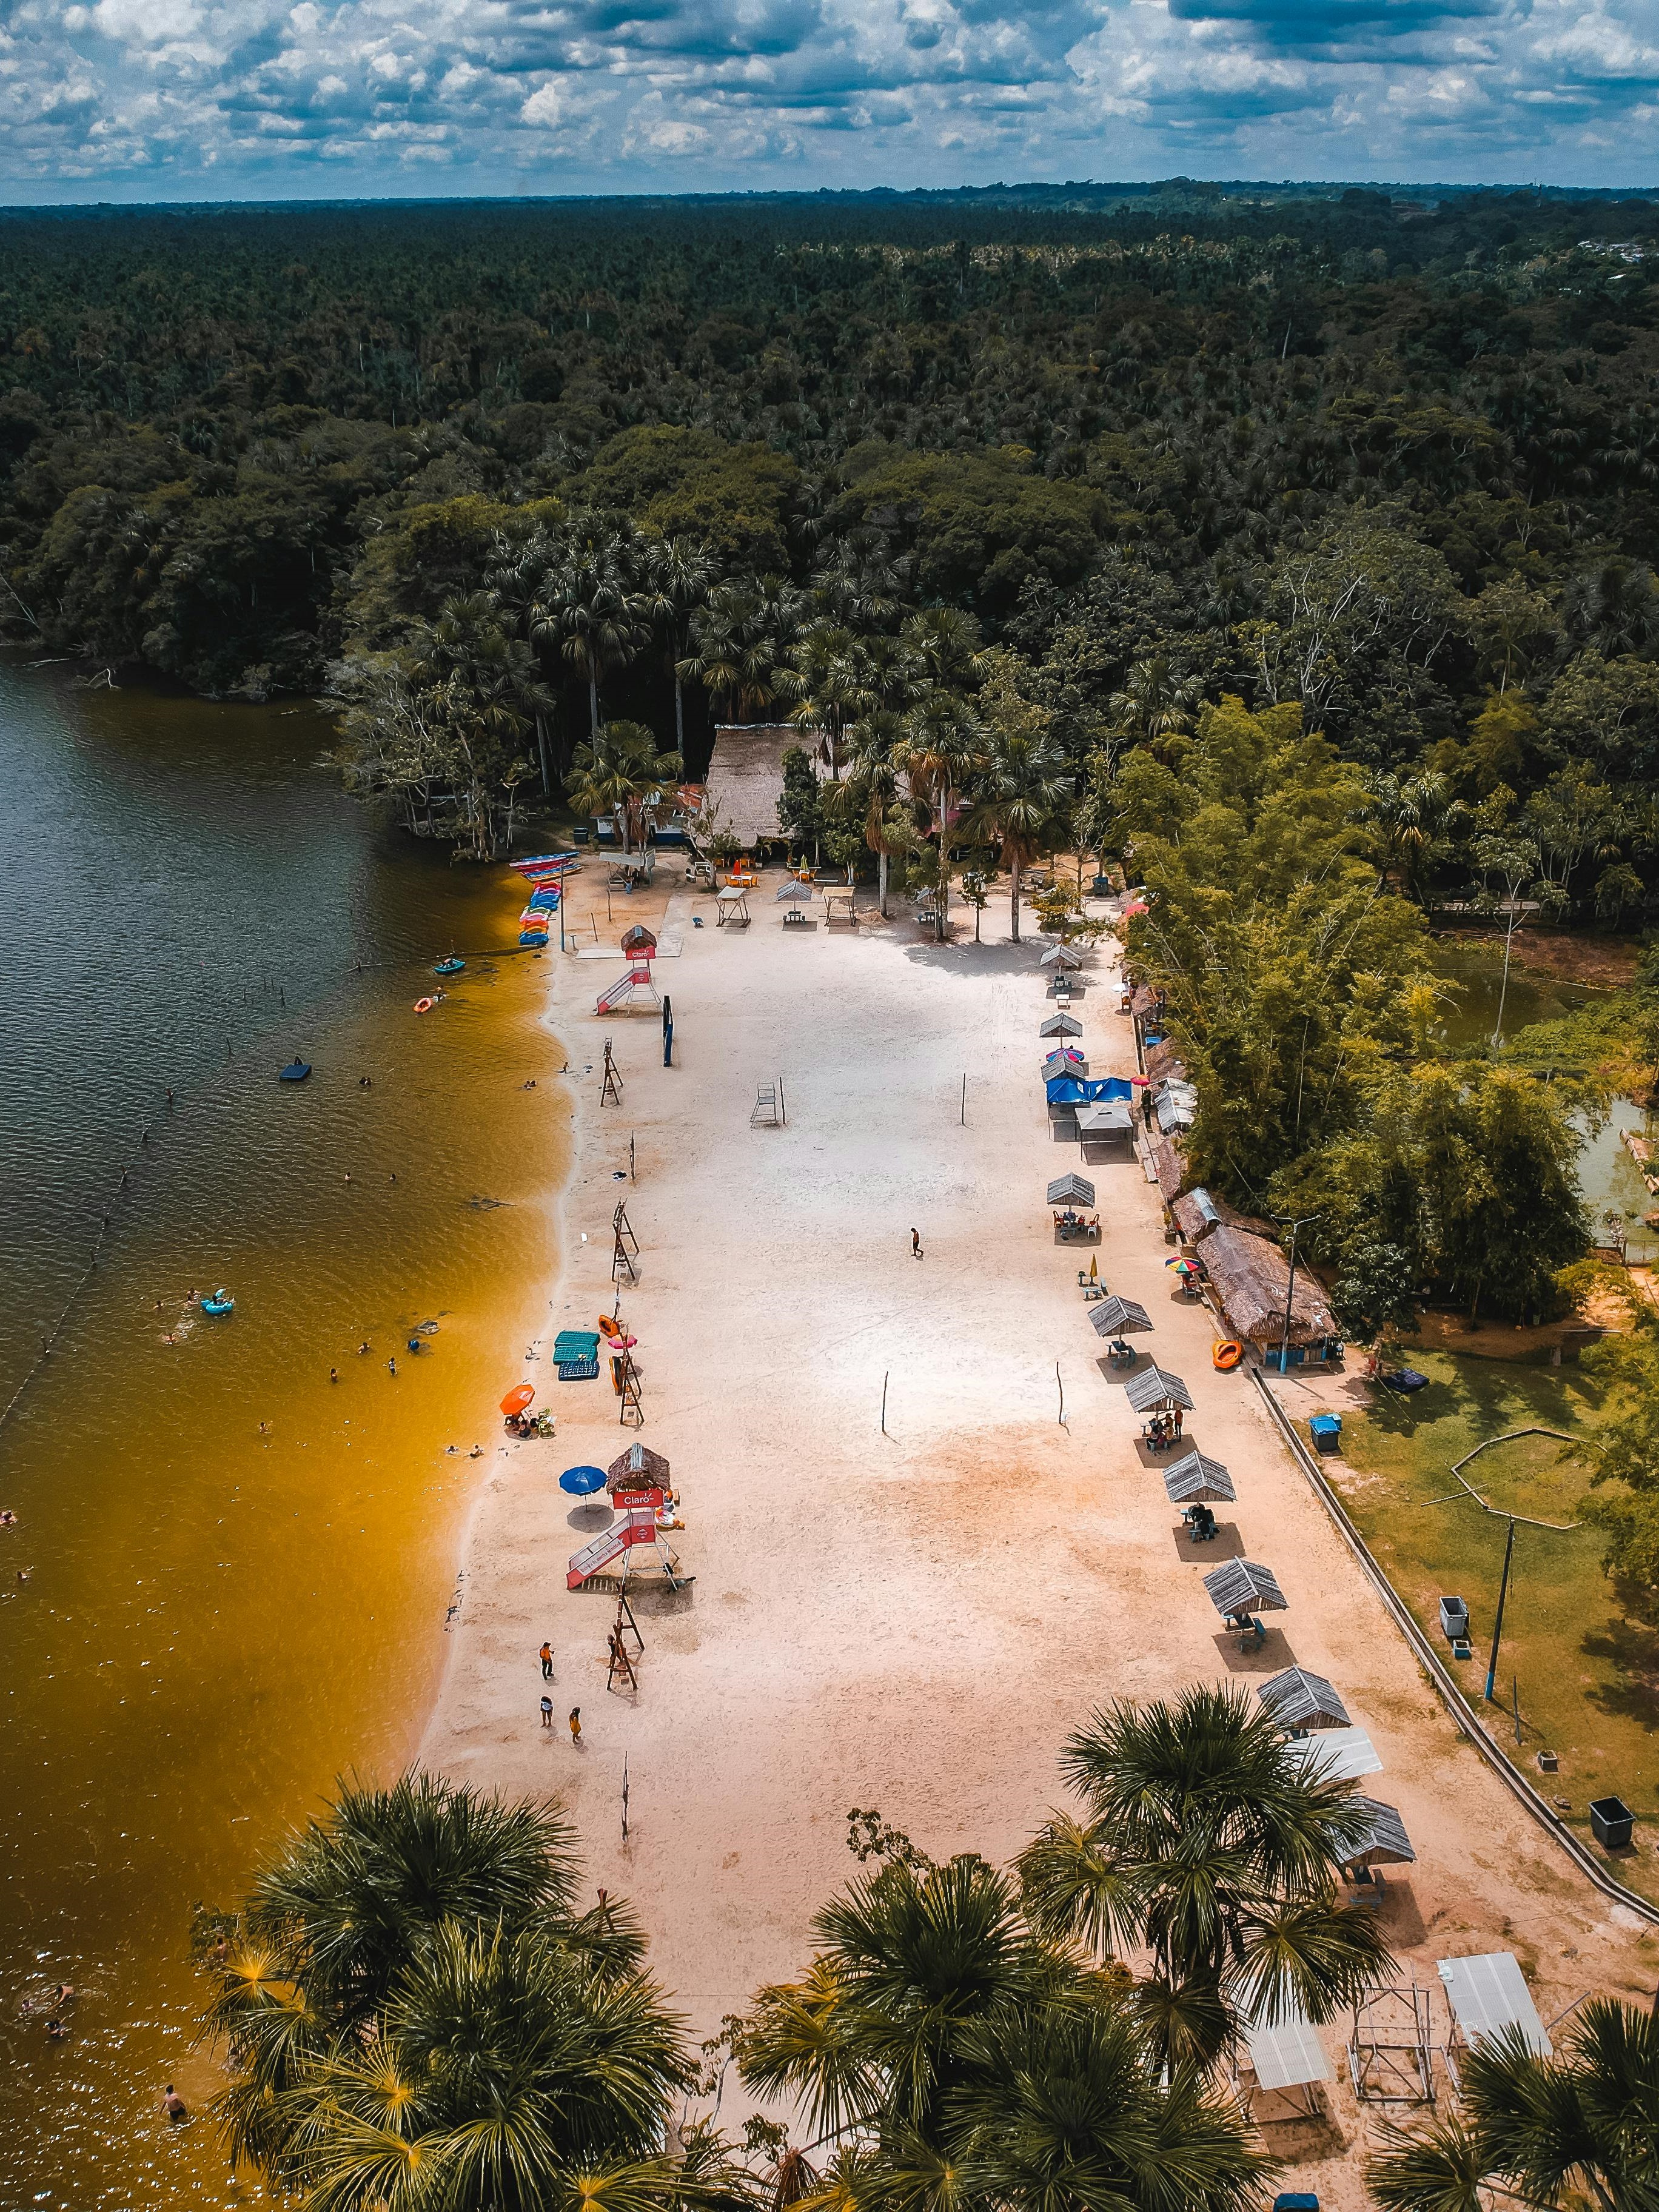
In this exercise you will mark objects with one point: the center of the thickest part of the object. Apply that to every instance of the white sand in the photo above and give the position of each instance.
(912, 1621)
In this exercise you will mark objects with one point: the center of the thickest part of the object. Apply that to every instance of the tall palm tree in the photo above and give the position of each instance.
(484, 689)
(1545, 2131)
(1155, 702)
(1021, 792)
(739, 639)
(965, 2060)
(1207, 1842)
(871, 787)
(679, 575)
(622, 774)
(941, 751)
(589, 607)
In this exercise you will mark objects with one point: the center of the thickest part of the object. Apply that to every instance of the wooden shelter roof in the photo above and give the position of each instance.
(1251, 1277)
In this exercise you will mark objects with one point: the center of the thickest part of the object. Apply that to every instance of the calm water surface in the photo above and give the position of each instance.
(230, 1575)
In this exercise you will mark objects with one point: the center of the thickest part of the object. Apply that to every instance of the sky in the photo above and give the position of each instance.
(221, 100)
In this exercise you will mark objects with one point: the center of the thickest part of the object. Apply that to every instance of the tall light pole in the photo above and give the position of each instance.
(1498, 1624)
(1300, 1223)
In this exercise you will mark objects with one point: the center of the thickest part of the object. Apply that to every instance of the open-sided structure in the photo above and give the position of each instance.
(1239, 1587)
(1298, 1700)
(1156, 1391)
(1195, 1481)
(1071, 1190)
(1112, 1315)
(1336, 1755)
(1488, 1994)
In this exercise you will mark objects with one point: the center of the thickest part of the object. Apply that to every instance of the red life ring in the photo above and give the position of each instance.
(424, 1005)
(1227, 1354)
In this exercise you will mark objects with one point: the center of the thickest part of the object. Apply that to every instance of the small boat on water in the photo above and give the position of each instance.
(221, 1302)
(424, 1005)
(453, 966)
(296, 1072)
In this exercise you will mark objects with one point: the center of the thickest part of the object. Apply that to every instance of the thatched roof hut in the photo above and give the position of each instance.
(1250, 1278)
(1168, 1168)
(637, 1469)
(1164, 1059)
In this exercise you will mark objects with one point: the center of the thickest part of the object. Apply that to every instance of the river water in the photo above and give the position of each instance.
(230, 1576)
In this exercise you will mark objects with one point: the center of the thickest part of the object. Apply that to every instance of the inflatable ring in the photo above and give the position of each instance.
(424, 1005)
(1226, 1355)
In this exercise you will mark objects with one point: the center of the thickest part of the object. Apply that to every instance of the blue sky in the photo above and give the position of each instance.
(155, 100)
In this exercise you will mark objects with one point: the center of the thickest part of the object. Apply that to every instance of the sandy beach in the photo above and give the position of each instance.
(912, 1620)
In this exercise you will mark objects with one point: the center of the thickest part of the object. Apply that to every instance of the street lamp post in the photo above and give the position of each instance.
(1300, 1223)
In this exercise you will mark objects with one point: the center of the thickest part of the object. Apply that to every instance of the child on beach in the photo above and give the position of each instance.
(576, 1727)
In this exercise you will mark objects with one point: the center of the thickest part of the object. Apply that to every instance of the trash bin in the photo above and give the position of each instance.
(1611, 1822)
(1294, 2200)
(1454, 1618)
(1326, 1430)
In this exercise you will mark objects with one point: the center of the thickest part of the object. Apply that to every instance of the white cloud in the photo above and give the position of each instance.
(144, 97)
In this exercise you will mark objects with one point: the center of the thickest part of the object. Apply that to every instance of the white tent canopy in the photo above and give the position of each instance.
(1488, 1994)
(1288, 2054)
(1110, 1118)
(1336, 1755)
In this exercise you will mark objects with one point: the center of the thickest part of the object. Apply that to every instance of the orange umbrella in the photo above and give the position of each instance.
(521, 1395)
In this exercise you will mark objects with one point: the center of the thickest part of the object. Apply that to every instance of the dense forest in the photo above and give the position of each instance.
(1296, 547)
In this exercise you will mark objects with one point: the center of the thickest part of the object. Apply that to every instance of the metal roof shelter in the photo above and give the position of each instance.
(1113, 1119)
(1195, 1481)
(1110, 1316)
(1287, 2057)
(1243, 1586)
(1066, 1059)
(1338, 1755)
(1072, 1190)
(1062, 1025)
(1298, 1700)
(1157, 1387)
(1378, 1834)
(796, 893)
(1060, 955)
(1488, 1994)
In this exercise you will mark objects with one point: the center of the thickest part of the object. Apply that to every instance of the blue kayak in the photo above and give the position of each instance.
(453, 966)
(296, 1072)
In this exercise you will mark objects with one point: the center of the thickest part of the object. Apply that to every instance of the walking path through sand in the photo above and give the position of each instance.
(912, 1621)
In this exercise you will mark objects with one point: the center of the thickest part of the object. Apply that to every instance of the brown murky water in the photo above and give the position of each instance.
(230, 1574)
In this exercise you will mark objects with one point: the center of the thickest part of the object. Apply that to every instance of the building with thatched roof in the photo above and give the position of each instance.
(1163, 1060)
(1250, 1278)
(1168, 1168)
(745, 777)
(637, 1469)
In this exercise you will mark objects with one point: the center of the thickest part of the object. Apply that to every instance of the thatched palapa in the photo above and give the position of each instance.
(1250, 1277)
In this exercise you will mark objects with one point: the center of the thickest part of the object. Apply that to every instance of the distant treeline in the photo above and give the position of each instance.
(1396, 458)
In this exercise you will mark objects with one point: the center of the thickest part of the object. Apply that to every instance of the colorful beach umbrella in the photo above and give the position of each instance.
(582, 1482)
(518, 1399)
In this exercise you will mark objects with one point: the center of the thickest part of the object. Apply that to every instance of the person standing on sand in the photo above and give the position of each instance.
(547, 1712)
(576, 1728)
(916, 1243)
(547, 1662)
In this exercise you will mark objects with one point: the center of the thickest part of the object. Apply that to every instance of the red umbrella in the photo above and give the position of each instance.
(521, 1397)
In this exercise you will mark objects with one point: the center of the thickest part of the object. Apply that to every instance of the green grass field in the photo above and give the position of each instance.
(1586, 1670)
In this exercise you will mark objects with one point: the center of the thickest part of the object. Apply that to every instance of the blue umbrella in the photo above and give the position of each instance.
(582, 1482)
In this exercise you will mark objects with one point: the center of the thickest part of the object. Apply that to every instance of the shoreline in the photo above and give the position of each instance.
(911, 1620)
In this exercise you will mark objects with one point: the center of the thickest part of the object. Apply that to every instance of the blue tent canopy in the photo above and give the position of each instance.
(1068, 1090)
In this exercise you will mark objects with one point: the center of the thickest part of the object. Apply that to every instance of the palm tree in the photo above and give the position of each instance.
(940, 752)
(589, 607)
(1546, 2131)
(827, 680)
(622, 774)
(965, 2060)
(1208, 1843)
(679, 575)
(1018, 799)
(739, 639)
(1154, 702)
(304, 1975)
(483, 691)
(871, 787)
